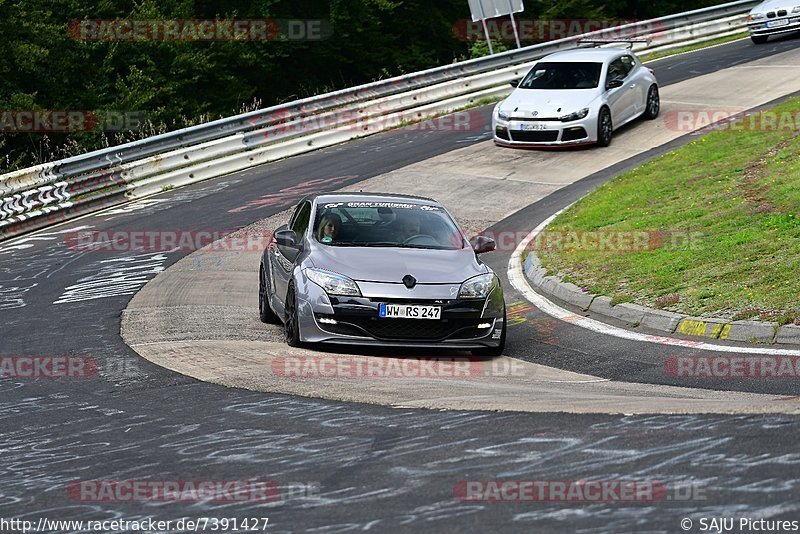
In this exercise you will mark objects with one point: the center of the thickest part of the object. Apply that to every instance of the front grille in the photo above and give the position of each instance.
(535, 136)
(535, 119)
(411, 328)
(771, 15)
(782, 13)
(502, 134)
(406, 329)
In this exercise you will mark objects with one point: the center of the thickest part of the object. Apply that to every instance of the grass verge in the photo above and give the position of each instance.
(719, 219)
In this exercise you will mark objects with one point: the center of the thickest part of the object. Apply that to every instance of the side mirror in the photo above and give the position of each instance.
(288, 244)
(286, 238)
(514, 83)
(616, 82)
(481, 244)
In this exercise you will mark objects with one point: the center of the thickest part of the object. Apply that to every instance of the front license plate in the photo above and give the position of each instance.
(776, 23)
(404, 311)
(531, 126)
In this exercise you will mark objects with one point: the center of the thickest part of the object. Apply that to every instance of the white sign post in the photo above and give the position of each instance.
(483, 9)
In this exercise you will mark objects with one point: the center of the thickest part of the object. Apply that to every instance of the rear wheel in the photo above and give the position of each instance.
(264, 311)
(653, 103)
(493, 352)
(759, 39)
(605, 130)
(292, 323)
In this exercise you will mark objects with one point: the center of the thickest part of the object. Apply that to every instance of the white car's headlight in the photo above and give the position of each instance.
(332, 283)
(478, 287)
(502, 115)
(756, 16)
(575, 116)
(796, 9)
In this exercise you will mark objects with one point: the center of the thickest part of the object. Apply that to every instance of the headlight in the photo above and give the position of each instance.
(796, 9)
(575, 116)
(332, 283)
(478, 287)
(757, 16)
(502, 115)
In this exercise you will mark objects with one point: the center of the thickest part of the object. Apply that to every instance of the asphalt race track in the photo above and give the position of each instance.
(361, 467)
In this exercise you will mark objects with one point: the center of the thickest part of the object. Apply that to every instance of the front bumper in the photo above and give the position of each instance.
(515, 133)
(775, 26)
(464, 323)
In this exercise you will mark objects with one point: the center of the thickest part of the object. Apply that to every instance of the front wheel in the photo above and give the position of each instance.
(759, 39)
(292, 323)
(605, 129)
(653, 104)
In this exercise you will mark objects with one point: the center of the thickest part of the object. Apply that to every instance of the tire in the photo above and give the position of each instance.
(493, 352)
(291, 325)
(653, 106)
(605, 129)
(759, 39)
(265, 312)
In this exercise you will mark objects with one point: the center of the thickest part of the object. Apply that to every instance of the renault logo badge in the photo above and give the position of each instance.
(409, 281)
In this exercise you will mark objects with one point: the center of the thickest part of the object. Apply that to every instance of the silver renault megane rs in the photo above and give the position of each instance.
(375, 269)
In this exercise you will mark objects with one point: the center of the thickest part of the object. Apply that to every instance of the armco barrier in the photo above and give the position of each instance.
(53, 192)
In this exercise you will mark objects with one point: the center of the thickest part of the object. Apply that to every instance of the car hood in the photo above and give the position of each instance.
(771, 5)
(390, 264)
(547, 103)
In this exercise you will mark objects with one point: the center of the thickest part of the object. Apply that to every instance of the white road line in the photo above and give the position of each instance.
(516, 276)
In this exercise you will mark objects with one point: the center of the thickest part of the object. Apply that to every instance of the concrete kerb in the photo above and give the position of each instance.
(663, 321)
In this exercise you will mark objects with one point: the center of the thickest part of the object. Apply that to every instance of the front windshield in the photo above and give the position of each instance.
(386, 224)
(567, 75)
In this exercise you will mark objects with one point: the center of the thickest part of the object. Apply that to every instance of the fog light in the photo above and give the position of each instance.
(325, 320)
(485, 325)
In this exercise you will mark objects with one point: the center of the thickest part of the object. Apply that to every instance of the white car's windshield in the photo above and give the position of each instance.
(386, 224)
(568, 75)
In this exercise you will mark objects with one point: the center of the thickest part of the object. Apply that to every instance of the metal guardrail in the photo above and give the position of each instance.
(50, 193)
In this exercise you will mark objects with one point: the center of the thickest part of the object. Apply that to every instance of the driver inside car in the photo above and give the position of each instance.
(410, 226)
(329, 227)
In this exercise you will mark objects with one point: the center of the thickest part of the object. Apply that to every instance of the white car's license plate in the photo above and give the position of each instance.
(529, 126)
(776, 23)
(404, 311)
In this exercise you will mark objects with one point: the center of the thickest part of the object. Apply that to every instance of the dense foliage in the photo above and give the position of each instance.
(43, 66)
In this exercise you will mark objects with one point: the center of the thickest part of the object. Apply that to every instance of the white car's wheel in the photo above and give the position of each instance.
(605, 129)
(653, 103)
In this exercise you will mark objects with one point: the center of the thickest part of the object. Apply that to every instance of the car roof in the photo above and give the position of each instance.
(350, 196)
(588, 54)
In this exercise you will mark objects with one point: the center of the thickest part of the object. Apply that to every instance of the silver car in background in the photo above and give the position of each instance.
(374, 269)
(576, 97)
(773, 17)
